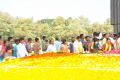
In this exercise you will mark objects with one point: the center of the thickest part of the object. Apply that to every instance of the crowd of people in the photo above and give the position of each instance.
(17, 48)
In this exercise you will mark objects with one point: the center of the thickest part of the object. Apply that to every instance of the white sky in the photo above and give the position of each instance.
(95, 10)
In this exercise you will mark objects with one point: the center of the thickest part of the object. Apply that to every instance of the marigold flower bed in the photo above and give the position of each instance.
(65, 66)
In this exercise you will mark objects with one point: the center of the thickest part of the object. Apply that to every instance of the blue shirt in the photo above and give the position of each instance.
(57, 45)
(1, 57)
(14, 54)
(81, 40)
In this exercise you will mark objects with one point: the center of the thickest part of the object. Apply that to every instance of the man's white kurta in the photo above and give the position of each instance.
(21, 50)
(51, 48)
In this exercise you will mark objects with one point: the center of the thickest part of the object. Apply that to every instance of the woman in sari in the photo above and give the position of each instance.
(108, 46)
(94, 46)
(64, 46)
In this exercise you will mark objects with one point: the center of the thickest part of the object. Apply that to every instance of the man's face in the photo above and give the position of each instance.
(22, 41)
(107, 35)
(111, 35)
(1, 42)
(12, 41)
(83, 37)
(78, 39)
(17, 42)
(88, 39)
(52, 41)
(73, 39)
(30, 41)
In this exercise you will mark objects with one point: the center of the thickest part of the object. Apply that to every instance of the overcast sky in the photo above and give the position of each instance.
(95, 10)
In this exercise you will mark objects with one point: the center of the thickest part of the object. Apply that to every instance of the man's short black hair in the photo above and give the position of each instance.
(0, 37)
(10, 38)
(43, 37)
(104, 34)
(36, 39)
(21, 39)
(57, 38)
(29, 39)
(78, 37)
(81, 35)
(16, 40)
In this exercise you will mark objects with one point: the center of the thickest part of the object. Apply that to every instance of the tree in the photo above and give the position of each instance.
(10, 26)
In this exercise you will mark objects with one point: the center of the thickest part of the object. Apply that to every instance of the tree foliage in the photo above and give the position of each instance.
(10, 26)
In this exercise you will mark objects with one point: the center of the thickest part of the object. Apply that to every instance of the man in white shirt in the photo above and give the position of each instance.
(51, 47)
(21, 49)
(78, 48)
